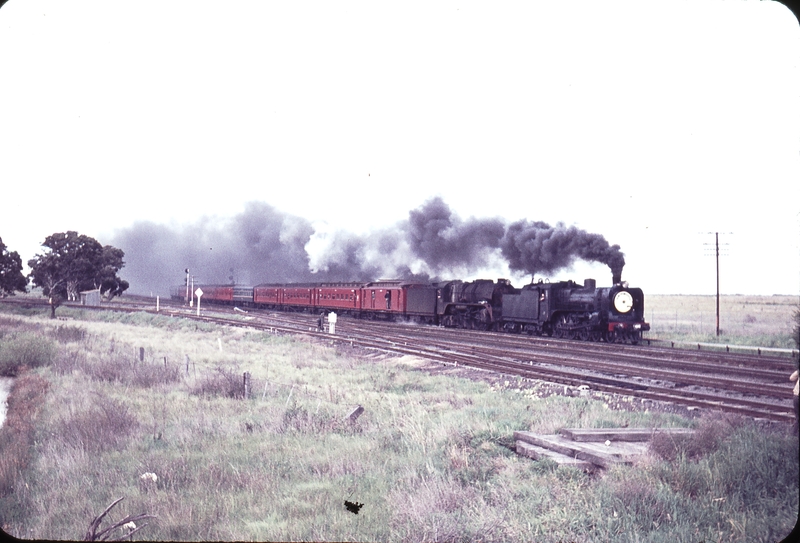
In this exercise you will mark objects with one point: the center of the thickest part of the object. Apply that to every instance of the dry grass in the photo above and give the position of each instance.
(16, 444)
(764, 321)
(429, 458)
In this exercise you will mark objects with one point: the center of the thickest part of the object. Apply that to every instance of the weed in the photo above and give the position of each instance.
(69, 334)
(104, 426)
(222, 382)
(16, 443)
(705, 439)
(429, 458)
(25, 350)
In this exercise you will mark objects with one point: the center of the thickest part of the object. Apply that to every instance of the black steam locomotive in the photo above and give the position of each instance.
(563, 309)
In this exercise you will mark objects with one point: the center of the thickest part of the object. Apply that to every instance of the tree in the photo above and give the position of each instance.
(72, 263)
(11, 278)
(106, 279)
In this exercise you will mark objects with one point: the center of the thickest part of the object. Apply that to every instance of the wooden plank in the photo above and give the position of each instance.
(540, 453)
(619, 434)
(602, 455)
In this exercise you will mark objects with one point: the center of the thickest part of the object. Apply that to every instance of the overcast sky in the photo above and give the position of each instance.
(651, 123)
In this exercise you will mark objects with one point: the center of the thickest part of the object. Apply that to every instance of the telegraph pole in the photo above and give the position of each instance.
(716, 254)
(716, 248)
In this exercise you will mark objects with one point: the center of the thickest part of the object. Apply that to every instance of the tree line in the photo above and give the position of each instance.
(69, 264)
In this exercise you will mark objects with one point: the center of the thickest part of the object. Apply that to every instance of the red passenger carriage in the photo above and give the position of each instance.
(220, 294)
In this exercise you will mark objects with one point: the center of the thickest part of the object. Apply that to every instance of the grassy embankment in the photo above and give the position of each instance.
(429, 458)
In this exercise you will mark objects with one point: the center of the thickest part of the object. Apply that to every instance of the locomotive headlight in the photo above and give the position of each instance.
(623, 301)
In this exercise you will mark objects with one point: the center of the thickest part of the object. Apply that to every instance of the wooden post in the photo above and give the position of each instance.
(246, 384)
(289, 398)
(186, 359)
(355, 413)
(141, 354)
(264, 395)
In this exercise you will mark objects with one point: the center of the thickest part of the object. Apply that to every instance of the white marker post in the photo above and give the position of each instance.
(198, 293)
(331, 322)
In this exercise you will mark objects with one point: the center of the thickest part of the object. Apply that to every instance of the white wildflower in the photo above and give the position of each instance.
(131, 526)
(148, 477)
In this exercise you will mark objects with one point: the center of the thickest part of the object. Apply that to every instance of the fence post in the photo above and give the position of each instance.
(289, 398)
(355, 413)
(246, 384)
(264, 395)
(141, 354)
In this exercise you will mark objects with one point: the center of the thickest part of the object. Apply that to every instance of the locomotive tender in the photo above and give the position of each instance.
(563, 309)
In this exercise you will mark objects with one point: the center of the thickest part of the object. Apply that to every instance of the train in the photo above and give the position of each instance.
(563, 309)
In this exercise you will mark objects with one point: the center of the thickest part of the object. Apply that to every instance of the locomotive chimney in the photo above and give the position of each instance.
(616, 278)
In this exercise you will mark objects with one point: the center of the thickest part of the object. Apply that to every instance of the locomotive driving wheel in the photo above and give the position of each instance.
(560, 328)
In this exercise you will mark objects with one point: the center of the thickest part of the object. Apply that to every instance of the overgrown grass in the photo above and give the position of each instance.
(24, 350)
(430, 458)
(17, 440)
(762, 321)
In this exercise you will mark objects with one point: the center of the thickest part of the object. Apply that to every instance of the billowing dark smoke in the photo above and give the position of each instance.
(443, 241)
(264, 245)
(257, 245)
(536, 247)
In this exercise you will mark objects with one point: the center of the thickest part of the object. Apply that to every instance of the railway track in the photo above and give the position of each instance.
(750, 386)
(753, 386)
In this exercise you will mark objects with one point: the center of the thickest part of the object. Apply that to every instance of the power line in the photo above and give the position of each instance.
(716, 254)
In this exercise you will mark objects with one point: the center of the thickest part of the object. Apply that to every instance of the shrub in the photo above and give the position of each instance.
(119, 368)
(25, 349)
(704, 441)
(104, 426)
(67, 334)
(221, 382)
(301, 420)
(8, 322)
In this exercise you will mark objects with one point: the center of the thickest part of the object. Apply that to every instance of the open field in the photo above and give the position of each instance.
(429, 458)
(761, 321)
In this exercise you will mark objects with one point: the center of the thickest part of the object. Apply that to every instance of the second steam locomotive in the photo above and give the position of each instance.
(561, 309)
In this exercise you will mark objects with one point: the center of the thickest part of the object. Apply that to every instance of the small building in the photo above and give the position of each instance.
(91, 297)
